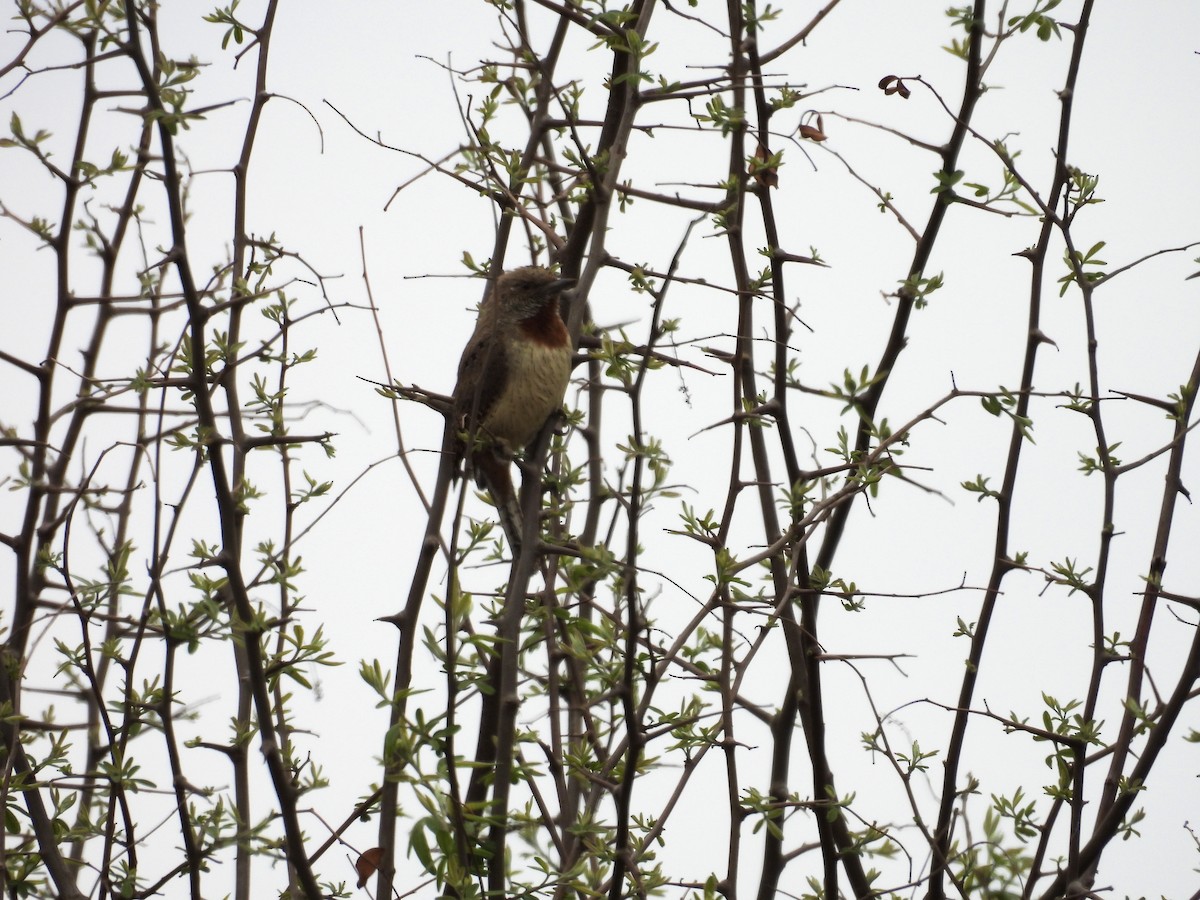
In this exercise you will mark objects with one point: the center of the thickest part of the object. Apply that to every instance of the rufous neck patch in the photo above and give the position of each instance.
(546, 327)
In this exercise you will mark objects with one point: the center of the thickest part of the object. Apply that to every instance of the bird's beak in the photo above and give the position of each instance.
(558, 286)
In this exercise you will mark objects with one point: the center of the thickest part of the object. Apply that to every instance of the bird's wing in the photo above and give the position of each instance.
(482, 373)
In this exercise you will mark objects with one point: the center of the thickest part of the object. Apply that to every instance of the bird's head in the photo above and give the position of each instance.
(523, 293)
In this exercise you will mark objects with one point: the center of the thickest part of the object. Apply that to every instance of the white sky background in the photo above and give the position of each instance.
(1134, 125)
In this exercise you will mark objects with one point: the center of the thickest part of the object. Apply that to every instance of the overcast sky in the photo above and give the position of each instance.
(383, 65)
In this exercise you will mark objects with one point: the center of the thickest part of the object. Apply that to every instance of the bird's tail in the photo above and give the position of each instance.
(494, 472)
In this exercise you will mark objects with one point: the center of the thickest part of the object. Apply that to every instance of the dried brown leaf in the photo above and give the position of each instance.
(368, 864)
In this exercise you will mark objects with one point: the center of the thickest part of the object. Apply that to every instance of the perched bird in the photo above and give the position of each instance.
(511, 379)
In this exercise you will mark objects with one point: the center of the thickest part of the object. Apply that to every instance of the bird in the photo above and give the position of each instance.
(512, 377)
